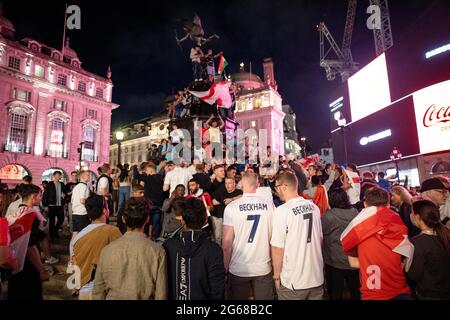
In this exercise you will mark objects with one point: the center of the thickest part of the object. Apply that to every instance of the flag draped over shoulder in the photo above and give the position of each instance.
(22, 222)
(218, 93)
(382, 223)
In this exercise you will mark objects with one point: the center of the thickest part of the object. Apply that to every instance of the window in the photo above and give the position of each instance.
(89, 143)
(62, 79)
(14, 63)
(39, 71)
(60, 105)
(139, 158)
(133, 149)
(91, 114)
(56, 146)
(18, 131)
(82, 86)
(21, 95)
(99, 93)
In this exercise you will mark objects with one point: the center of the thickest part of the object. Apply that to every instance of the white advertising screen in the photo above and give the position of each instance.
(369, 89)
(432, 108)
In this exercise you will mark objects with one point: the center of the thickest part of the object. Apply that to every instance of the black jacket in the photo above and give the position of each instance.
(301, 177)
(153, 187)
(195, 267)
(49, 195)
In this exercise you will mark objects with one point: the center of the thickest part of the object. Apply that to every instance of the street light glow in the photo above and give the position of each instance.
(120, 135)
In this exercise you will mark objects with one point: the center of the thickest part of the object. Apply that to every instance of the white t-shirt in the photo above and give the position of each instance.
(81, 191)
(265, 193)
(176, 136)
(103, 183)
(251, 219)
(297, 228)
(354, 192)
(178, 176)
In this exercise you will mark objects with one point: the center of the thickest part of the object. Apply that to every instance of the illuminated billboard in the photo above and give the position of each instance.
(369, 89)
(432, 108)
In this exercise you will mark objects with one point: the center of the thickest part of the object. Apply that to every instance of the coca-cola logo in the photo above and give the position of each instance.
(435, 115)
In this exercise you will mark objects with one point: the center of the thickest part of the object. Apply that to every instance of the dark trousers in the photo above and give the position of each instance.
(261, 288)
(156, 217)
(336, 278)
(25, 285)
(55, 212)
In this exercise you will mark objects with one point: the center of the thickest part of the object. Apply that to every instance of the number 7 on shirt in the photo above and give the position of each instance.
(255, 220)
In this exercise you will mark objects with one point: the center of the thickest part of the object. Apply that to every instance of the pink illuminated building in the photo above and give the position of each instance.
(49, 107)
(259, 105)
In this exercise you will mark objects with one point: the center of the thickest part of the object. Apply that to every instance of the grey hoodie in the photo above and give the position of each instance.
(334, 222)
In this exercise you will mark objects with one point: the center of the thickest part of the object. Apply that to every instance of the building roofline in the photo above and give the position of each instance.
(21, 46)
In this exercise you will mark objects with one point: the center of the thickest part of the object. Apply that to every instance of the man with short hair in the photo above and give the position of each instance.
(376, 242)
(196, 192)
(247, 227)
(132, 267)
(26, 280)
(53, 202)
(69, 188)
(223, 200)
(195, 263)
(296, 244)
(218, 184)
(436, 190)
(105, 186)
(178, 174)
(382, 182)
(86, 246)
(80, 194)
(201, 177)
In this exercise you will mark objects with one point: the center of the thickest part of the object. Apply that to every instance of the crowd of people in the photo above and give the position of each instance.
(211, 232)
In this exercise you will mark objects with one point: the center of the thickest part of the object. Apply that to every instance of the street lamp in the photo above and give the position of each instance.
(119, 137)
(342, 123)
(396, 156)
(80, 165)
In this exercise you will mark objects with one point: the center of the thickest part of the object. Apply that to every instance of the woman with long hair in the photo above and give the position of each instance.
(337, 268)
(402, 200)
(430, 268)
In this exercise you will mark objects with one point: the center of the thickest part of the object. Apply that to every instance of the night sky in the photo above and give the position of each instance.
(137, 39)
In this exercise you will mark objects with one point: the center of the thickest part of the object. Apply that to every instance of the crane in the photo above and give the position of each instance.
(343, 63)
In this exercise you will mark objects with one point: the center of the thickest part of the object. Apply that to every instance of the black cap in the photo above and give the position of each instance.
(433, 184)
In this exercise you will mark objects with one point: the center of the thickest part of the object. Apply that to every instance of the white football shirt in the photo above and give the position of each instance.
(81, 191)
(251, 219)
(297, 228)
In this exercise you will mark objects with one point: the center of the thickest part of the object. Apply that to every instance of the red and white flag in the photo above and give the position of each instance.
(21, 223)
(382, 223)
(218, 93)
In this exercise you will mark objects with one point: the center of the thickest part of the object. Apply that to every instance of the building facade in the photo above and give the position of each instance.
(51, 110)
(138, 138)
(259, 105)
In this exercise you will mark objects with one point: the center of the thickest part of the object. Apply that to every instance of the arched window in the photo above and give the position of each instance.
(89, 136)
(18, 131)
(56, 144)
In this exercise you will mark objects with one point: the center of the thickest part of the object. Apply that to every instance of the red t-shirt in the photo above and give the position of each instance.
(205, 196)
(4, 232)
(381, 270)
